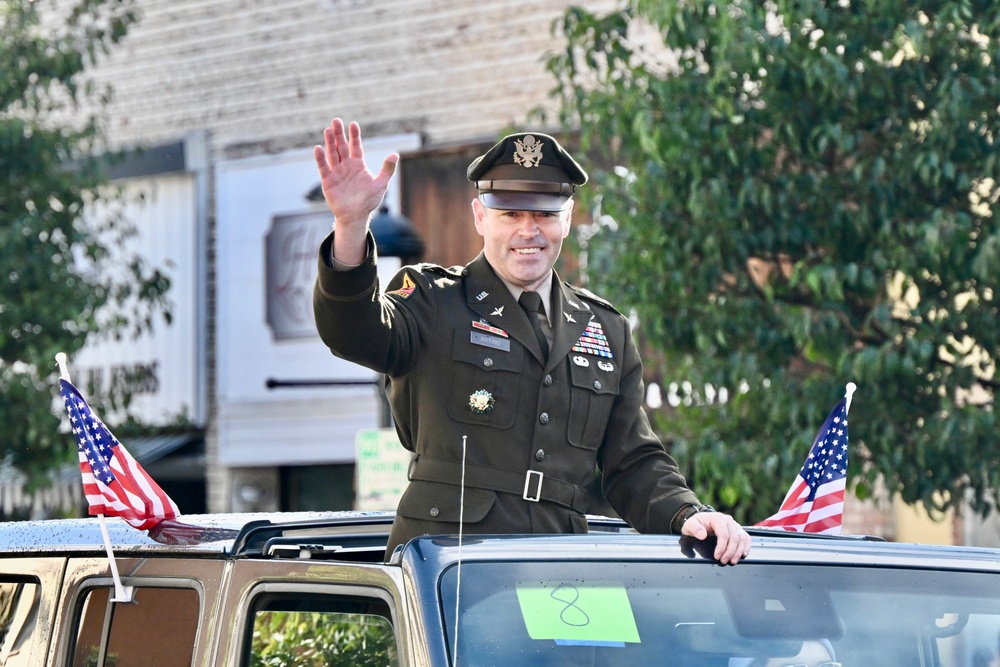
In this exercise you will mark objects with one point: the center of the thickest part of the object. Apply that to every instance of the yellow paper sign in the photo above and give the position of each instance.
(595, 614)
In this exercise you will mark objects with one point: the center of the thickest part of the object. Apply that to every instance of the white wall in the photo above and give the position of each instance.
(166, 224)
(286, 426)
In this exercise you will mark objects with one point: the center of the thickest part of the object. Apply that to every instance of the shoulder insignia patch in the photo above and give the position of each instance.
(406, 289)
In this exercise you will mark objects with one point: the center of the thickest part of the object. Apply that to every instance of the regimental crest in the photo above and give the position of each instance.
(529, 152)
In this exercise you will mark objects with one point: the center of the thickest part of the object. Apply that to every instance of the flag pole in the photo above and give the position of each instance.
(851, 388)
(122, 593)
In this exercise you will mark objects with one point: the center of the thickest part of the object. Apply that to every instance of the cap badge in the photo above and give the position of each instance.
(529, 152)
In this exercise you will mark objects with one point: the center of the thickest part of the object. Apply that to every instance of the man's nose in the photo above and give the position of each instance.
(529, 225)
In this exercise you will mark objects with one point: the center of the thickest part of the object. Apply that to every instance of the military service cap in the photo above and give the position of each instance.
(529, 171)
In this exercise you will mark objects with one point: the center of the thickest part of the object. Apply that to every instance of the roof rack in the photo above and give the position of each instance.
(333, 535)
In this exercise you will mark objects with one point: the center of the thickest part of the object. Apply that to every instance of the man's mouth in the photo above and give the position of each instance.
(527, 251)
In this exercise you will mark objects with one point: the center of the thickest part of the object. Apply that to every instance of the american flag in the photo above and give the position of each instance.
(113, 482)
(815, 503)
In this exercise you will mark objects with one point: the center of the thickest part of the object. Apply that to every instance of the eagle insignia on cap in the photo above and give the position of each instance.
(529, 152)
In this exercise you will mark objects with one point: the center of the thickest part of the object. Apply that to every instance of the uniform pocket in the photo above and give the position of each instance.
(431, 501)
(489, 374)
(595, 382)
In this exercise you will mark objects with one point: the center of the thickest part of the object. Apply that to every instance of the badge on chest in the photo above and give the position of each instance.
(489, 336)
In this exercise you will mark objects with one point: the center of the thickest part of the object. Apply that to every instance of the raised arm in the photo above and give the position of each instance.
(352, 192)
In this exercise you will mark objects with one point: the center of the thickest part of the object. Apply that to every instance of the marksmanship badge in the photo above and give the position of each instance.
(529, 152)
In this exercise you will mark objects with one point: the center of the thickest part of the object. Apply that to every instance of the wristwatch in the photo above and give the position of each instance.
(686, 513)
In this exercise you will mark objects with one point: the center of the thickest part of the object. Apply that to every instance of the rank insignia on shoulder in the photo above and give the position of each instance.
(406, 289)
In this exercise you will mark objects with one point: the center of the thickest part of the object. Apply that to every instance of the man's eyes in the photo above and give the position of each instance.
(548, 215)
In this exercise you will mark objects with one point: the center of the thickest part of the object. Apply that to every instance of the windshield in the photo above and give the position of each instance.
(699, 614)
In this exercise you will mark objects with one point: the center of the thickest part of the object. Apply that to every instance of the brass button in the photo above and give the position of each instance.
(544, 418)
(597, 384)
(488, 361)
(434, 511)
(540, 455)
(547, 381)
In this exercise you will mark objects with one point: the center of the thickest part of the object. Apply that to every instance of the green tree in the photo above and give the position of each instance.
(802, 194)
(322, 639)
(59, 221)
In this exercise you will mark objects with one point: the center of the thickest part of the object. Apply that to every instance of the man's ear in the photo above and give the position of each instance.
(478, 213)
(568, 221)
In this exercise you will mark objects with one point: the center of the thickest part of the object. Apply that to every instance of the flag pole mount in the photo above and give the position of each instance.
(122, 593)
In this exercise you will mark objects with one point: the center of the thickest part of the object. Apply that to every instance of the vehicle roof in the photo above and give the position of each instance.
(769, 546)
(197, 533)
(363, 535)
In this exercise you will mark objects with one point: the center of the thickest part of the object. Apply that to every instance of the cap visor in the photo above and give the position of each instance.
(523, 201)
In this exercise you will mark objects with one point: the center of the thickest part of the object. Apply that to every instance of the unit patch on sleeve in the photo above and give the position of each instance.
(407, 289)
(593, 341)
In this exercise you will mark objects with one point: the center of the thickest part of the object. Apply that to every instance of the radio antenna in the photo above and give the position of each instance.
(461, 524)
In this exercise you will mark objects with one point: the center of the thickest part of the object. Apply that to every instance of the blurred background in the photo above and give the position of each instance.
(204, 114)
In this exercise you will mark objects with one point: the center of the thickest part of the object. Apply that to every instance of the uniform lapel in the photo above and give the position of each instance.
(570, 316)
(488, 297)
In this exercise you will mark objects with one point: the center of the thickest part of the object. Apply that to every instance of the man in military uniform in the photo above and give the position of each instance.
(520, 401)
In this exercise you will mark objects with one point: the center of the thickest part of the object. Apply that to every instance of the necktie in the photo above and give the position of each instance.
(531, 303)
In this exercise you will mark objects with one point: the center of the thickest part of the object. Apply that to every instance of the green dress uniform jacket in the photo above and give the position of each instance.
(464, 369)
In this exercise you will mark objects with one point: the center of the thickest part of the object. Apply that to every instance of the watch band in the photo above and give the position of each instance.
(686, 513)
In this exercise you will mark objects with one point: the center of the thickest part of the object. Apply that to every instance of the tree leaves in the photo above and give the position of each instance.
(53, 237)
(806, 198)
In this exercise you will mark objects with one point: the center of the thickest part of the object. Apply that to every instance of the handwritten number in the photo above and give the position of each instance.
(571, 613)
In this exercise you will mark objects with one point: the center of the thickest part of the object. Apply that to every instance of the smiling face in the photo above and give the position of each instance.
(522, 246)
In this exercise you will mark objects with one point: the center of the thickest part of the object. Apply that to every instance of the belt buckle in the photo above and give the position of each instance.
(538, 488)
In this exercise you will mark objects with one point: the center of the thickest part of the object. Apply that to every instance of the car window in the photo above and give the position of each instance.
(19, 601)
(160, 622)
(304, 630)
(699, 614)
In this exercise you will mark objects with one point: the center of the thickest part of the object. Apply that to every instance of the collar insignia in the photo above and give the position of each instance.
(569, 318)
(498, 311)
(482, 295)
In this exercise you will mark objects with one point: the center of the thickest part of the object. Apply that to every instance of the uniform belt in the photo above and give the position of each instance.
(531, 485)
